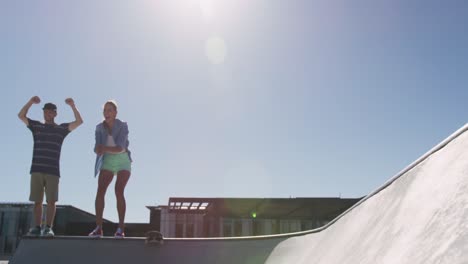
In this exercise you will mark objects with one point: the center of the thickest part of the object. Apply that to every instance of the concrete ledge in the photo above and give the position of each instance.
(78, 250)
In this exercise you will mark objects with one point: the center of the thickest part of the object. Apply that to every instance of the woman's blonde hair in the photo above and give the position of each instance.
(111, 102)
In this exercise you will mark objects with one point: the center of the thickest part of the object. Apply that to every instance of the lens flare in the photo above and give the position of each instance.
(215, 50)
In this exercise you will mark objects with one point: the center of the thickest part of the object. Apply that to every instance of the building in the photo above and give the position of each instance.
(228, 217)
(17, 218)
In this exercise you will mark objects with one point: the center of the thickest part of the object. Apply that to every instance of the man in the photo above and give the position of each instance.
(45, 169)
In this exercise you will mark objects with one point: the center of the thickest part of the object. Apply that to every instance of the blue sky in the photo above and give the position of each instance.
(235, 98)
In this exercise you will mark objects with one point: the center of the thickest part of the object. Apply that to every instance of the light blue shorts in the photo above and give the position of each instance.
(116, 162)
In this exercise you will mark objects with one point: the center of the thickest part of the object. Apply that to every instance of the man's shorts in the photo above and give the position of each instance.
(43, 182)
(116, 162)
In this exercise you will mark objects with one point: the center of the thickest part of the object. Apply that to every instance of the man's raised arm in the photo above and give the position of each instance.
(24, 111)
(78, 120)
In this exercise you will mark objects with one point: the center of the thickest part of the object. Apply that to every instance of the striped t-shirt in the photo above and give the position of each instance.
(48, 141)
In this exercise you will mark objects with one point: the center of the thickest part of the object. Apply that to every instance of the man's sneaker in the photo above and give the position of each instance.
(119, 233)
(97, 232)
(35, 231)
(48, 232)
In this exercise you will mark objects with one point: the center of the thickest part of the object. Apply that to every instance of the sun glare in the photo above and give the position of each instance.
(215, 50)
(207, 8)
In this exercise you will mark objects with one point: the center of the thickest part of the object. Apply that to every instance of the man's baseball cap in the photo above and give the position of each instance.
(50, 106)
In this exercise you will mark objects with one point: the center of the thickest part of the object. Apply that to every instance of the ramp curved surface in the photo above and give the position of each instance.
(421, 217)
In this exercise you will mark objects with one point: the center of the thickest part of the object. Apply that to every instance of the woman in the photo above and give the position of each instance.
(113, 158)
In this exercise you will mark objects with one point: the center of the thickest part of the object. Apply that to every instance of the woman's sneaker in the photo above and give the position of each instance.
(48, 232)
(119, 233)
(97, 232)
(35, 231)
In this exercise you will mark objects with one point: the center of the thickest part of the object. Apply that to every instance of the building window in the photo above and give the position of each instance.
(258, 227)
(275, 228)
(227, 226)
(294, 226)
(284, 226)
(2, 223)
(238, 228)
(307, 225)
(179, 232)
(189, 232)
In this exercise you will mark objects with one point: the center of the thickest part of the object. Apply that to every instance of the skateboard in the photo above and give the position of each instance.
(154, 238)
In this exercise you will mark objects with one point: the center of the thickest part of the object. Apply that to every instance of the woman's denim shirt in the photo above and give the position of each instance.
(120, 135)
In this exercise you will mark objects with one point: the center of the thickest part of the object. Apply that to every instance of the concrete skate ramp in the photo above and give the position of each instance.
(420, 216)
(79, 250)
